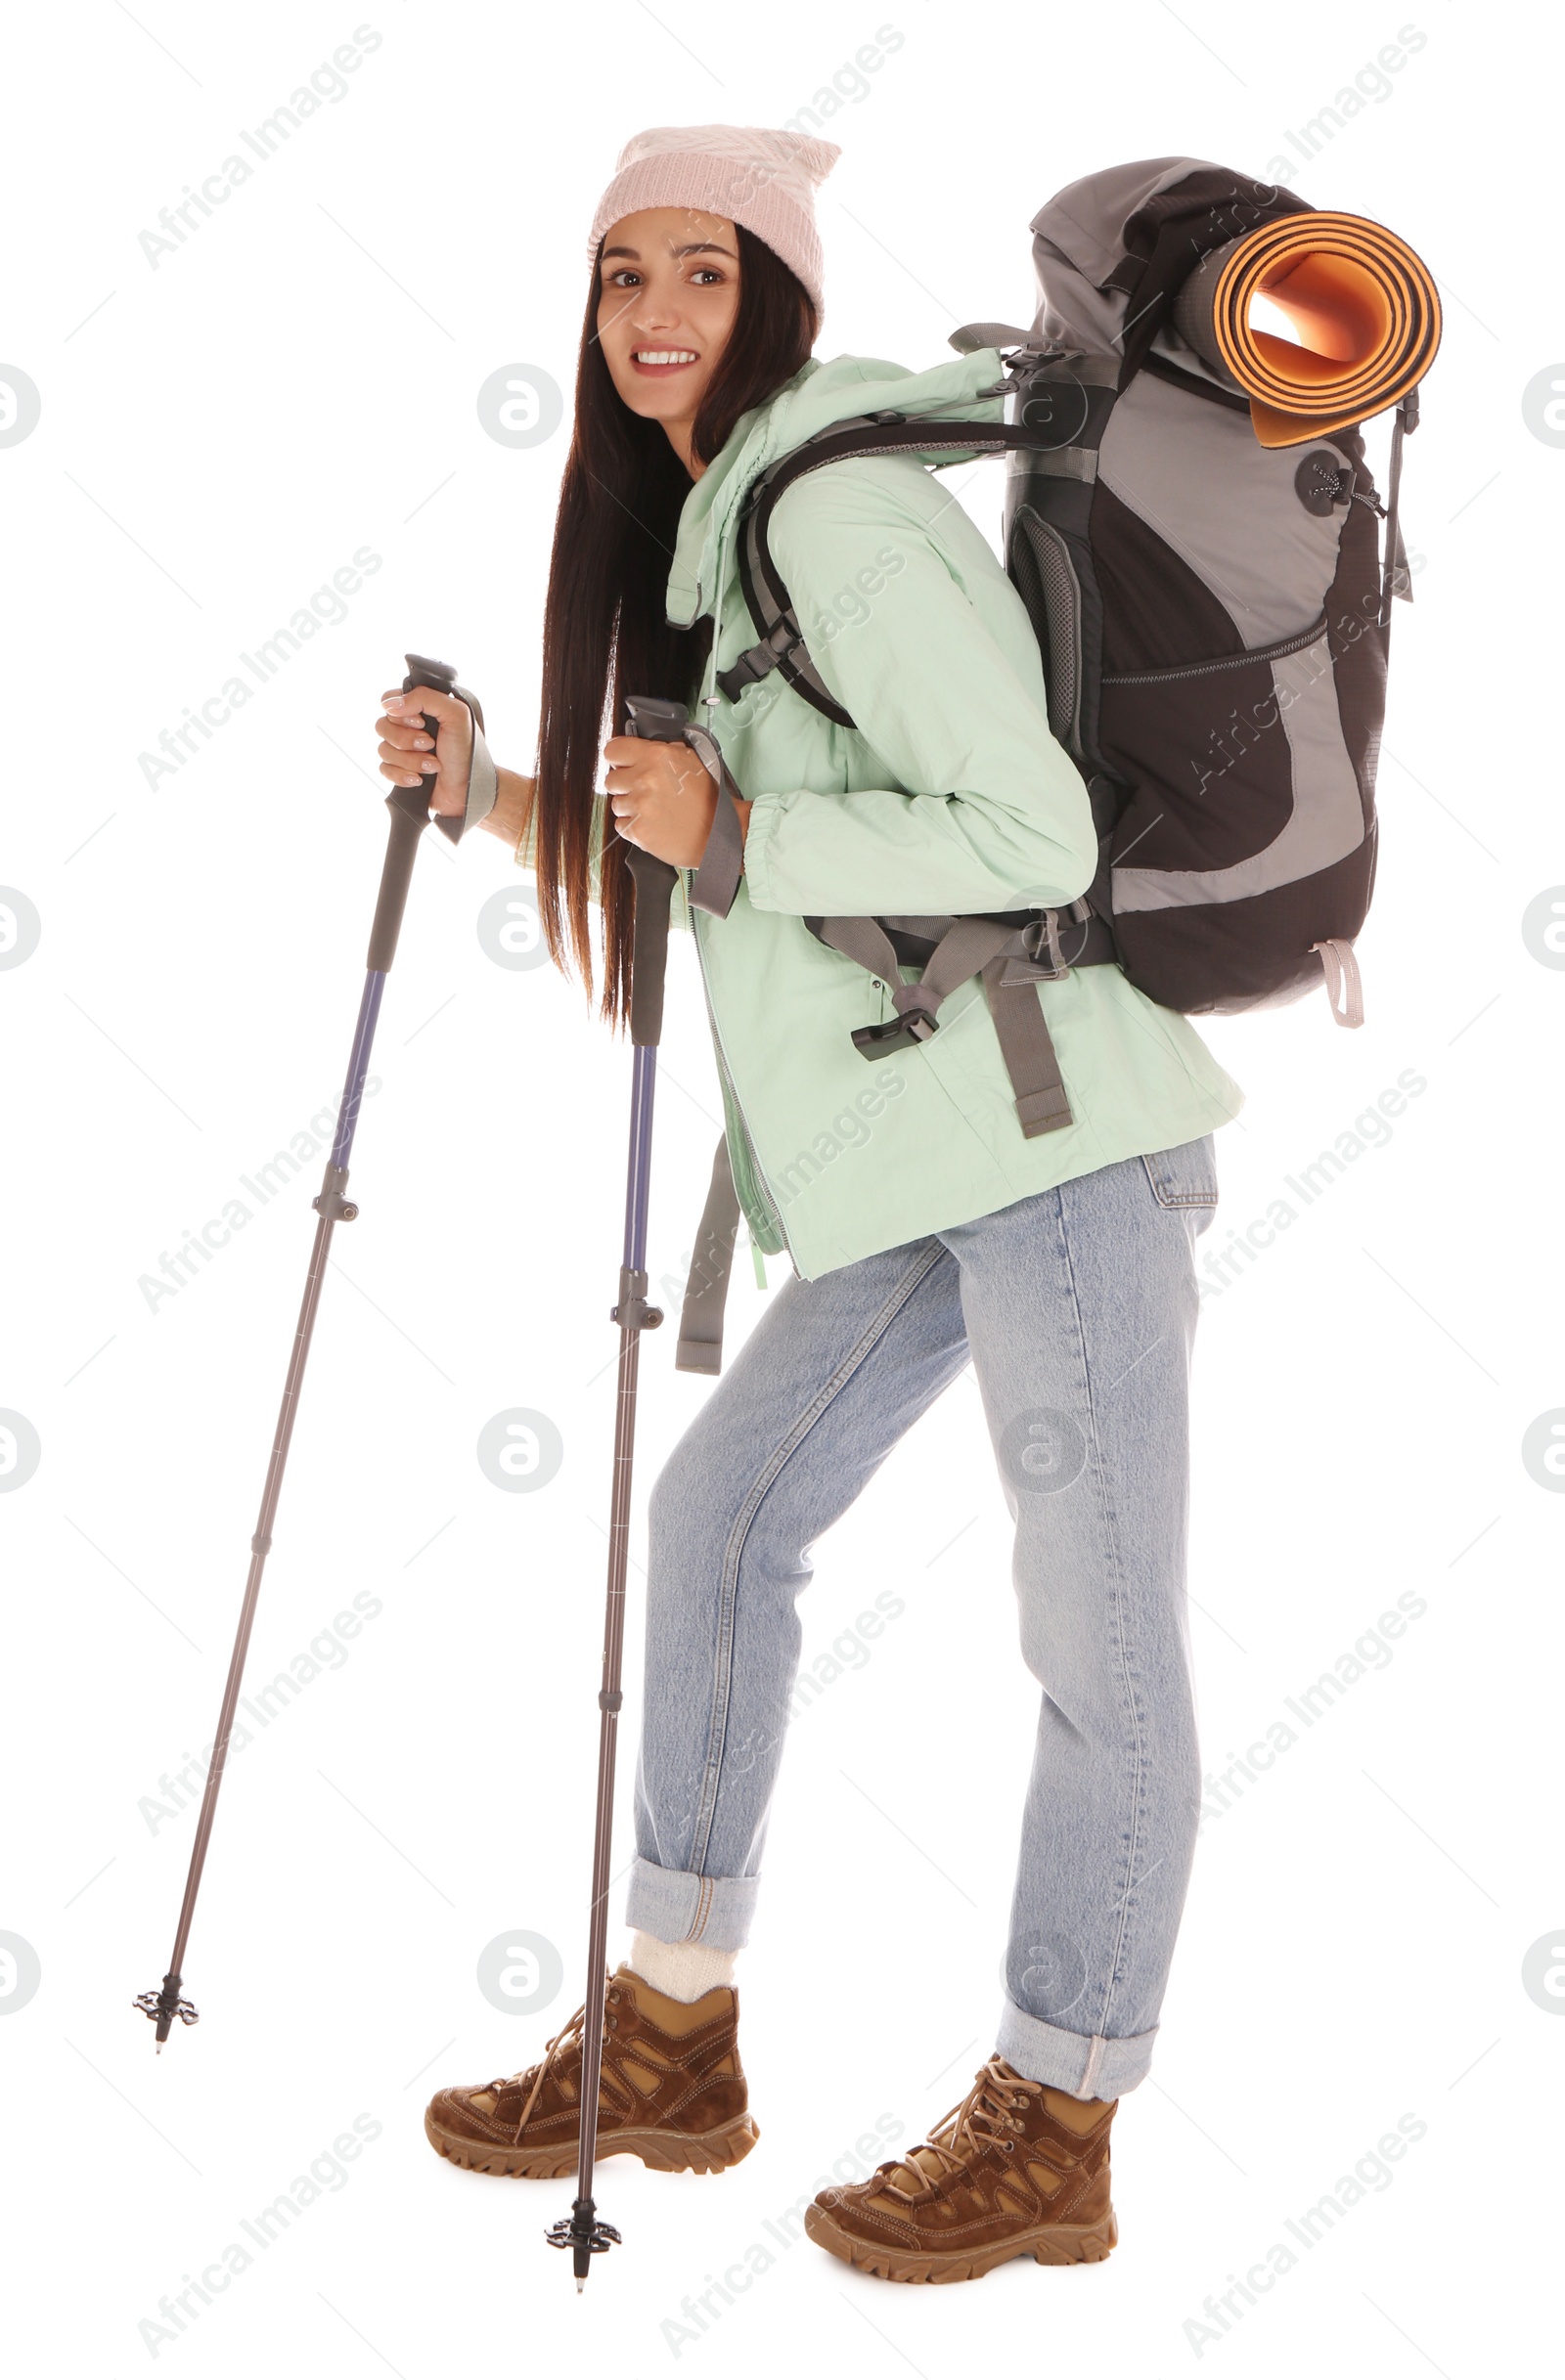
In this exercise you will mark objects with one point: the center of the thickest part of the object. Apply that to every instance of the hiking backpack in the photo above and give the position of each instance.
(1213, 615)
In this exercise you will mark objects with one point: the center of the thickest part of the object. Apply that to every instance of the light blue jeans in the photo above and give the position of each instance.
(1077, 1308)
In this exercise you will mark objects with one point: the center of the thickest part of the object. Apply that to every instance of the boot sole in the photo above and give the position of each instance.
(1063, 2243)
(665, 2152)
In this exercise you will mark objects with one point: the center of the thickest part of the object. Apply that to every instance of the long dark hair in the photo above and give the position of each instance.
(605, 630)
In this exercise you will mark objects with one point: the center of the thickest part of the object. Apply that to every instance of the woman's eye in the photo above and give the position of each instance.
(621, 279)
(707, 272)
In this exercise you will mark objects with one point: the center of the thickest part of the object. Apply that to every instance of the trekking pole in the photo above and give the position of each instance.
(580, 2231)
(409, 806)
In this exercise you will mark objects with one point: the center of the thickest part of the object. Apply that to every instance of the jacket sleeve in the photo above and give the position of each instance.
(984, 809)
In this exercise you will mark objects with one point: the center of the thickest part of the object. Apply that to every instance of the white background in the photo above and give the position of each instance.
(218, 434)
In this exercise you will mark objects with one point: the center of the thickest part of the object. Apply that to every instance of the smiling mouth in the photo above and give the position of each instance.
(659, 360)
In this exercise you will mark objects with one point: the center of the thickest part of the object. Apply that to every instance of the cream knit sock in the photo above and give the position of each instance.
(685, 1971)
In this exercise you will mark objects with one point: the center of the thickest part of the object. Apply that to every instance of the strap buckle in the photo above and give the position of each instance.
(903, 1031)
(780, 644)
(1028, 967)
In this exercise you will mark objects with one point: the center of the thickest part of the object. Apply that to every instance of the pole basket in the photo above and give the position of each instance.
(583, 2233)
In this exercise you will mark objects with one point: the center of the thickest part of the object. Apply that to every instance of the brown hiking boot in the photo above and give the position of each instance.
(1017, 2170)
(672, 2092)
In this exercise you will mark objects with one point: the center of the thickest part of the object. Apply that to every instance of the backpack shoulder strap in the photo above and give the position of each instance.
(782, 645)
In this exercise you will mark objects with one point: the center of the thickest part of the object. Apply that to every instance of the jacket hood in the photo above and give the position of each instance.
(817, 396)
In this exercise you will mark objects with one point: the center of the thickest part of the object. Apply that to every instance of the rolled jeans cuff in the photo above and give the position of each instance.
(675, 1905)
(1086, 2064)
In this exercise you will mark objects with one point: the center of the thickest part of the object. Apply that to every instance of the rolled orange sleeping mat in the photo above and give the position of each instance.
(1363, 308)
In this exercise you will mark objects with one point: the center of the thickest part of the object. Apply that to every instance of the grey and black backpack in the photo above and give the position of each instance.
(1213, 615)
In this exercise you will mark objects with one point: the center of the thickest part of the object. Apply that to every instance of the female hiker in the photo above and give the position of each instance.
(1058, 1263)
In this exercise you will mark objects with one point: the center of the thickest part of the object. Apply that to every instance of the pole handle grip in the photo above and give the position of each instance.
(409, 806)
(655, 880)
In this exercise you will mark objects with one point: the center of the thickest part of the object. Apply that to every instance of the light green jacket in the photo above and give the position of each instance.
(949, 795)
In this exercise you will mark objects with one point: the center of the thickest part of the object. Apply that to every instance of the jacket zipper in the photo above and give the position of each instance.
(1227, 661)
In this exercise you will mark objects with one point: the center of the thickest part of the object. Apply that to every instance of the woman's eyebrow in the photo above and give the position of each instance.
(692, 247)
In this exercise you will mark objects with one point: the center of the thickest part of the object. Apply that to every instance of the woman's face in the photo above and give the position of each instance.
(669, 293)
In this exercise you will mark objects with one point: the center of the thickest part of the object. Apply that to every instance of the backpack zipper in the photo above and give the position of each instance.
(1227, 661)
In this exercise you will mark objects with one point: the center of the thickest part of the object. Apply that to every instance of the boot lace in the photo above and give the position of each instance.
(987, 2118)
(568, 2037)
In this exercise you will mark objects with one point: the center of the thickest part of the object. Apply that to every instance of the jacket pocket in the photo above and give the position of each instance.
(1184, 1179)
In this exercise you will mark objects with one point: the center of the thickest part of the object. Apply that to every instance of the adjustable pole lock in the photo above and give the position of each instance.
(329, 1202)
(632, 1312)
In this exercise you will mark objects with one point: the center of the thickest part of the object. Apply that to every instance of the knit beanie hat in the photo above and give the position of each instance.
(763, 179)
